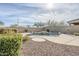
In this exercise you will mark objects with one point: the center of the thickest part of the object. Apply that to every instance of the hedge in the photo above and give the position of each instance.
(8, 30)
(10, 45)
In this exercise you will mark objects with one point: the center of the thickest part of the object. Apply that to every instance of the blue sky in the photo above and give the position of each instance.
(28, 13)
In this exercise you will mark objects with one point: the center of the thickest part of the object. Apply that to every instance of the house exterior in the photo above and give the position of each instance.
(74, 22)
(74, 26)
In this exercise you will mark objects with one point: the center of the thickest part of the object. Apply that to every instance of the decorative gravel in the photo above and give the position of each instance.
(47, 48)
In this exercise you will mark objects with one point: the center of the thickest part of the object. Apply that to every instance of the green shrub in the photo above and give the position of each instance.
(77, 34)
(26, 38)
(10, 44)
(8, 30)
(1, 31)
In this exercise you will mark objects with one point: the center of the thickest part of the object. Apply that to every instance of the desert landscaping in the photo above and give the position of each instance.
(42, 29)
(51, 46)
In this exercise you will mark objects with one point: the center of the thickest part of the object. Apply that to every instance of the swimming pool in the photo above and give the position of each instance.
(45, 33)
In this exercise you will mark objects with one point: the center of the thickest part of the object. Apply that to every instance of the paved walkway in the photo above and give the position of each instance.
(38, 39)
(24, 34)
(62, 39)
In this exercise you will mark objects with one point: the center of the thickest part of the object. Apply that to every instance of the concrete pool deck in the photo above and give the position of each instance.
(61, 39)
(38, 39)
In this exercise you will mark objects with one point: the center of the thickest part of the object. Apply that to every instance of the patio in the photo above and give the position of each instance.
(61, 39)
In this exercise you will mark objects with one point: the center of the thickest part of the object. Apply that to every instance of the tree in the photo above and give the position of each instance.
(48, 22)
(52, 23)
(61, 23)
(14, 25)
(38, 24)
(55, 23)
(1, 23)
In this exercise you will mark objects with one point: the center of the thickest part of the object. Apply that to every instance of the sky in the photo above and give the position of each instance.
(28, 13)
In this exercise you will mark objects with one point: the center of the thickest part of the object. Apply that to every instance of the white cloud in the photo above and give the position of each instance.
(30, 13)
(66, 13)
